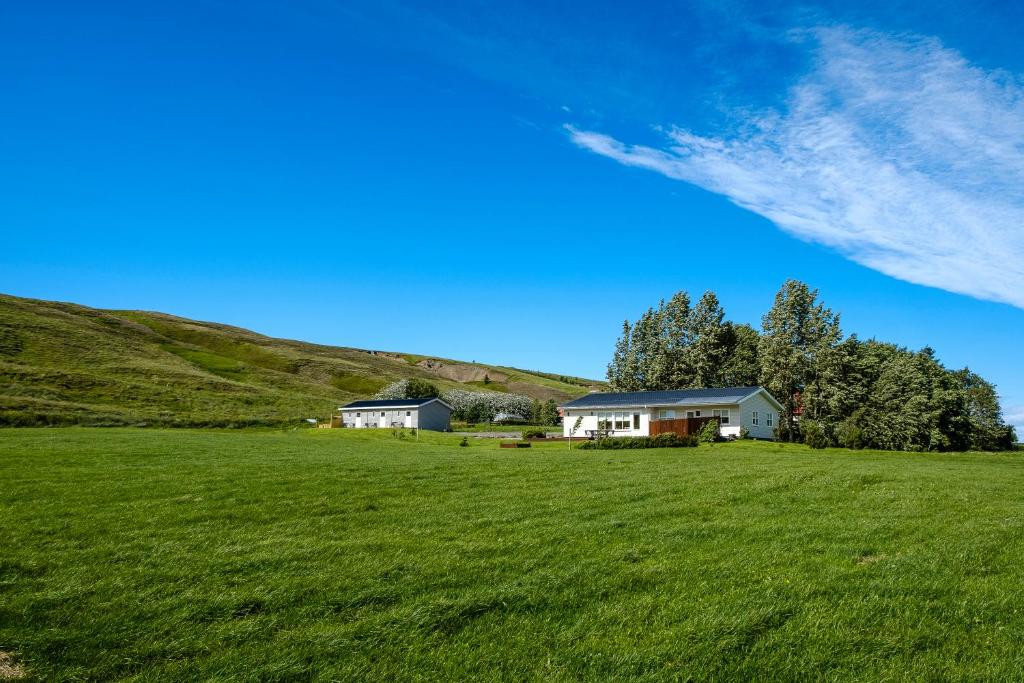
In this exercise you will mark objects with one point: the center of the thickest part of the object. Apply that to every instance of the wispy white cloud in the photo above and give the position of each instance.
(894, 150)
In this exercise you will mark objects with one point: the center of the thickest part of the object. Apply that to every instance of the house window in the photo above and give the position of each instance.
(723, 413)
(753, 418)
(621, 420)
(666, 414)
(636, 420)
(604, 421)
(768, 418)
(359, 414)
(408, 413)
(697, 414)
(382, 413)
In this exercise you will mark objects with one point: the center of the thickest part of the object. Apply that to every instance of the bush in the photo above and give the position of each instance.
(465, 441)
(534, 433)
(744, 433)
(814, 434)
(782, 432)
(408, 388)
(420, 388)
(850, 434)
(710, 432)
(668, 440)
(482, 406)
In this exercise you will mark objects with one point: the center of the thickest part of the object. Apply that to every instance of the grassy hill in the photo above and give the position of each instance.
(68, 364)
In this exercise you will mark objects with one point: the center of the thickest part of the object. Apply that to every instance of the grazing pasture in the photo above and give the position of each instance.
(343, 554)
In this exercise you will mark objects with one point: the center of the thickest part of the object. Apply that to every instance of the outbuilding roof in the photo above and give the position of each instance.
(721, 396)
(393, 403)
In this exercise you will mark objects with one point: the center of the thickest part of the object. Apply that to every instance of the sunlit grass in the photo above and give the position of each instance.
(349, 554)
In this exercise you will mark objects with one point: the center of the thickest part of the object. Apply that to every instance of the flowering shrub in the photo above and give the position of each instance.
(482, 406)
(399, 389)
(470, 406)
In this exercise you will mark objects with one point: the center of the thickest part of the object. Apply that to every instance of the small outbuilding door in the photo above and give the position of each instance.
(408, 419)
(359, 420)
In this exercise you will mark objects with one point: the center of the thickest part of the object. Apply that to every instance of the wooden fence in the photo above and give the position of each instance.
(681, 426)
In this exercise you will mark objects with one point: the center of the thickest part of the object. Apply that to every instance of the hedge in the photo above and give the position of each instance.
(668, 440)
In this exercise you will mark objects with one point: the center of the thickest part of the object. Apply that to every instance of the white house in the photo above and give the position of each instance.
(419, 413)
(631, 413)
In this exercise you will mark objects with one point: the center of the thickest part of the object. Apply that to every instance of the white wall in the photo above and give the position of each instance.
(373, 418)
(764, 408)
(590, 421)
(736, 418)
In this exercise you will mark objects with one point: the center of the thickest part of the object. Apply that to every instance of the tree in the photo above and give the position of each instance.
(798, 335)
(420, 388)
(706, 352)
(408, 388)
(549, 413)
(859, 394)
(536, 410)
(676, 333)
(740, 368)
(622, 371)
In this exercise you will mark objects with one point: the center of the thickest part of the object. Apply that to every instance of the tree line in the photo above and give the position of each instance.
(835, 390)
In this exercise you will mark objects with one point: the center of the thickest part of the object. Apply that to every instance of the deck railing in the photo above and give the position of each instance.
(681, 426)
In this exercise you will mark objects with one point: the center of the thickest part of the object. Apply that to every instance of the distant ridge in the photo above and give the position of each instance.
(63, 364)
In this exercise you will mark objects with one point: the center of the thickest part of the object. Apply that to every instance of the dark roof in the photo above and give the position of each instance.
(662, 398)
(392, 403)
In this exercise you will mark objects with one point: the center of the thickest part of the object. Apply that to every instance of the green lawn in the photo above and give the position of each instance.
(349, 555)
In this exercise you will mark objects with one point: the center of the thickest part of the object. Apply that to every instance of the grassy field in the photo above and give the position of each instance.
(68, 364)
(349, 555)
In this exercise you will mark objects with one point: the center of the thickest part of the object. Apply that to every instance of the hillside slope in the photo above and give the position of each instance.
(68, 364)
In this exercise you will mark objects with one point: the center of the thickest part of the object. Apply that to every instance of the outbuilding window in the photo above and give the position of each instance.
(753, 419)
(408, 413)
(769, 418)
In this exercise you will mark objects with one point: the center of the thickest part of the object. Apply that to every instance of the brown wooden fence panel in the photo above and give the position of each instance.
(682, 426)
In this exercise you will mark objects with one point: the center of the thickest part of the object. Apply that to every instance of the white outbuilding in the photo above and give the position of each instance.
(413, 413)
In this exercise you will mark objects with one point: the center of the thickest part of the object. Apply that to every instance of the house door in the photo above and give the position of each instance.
(408, 419)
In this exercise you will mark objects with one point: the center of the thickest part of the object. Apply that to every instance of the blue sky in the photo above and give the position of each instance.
(537, 173)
